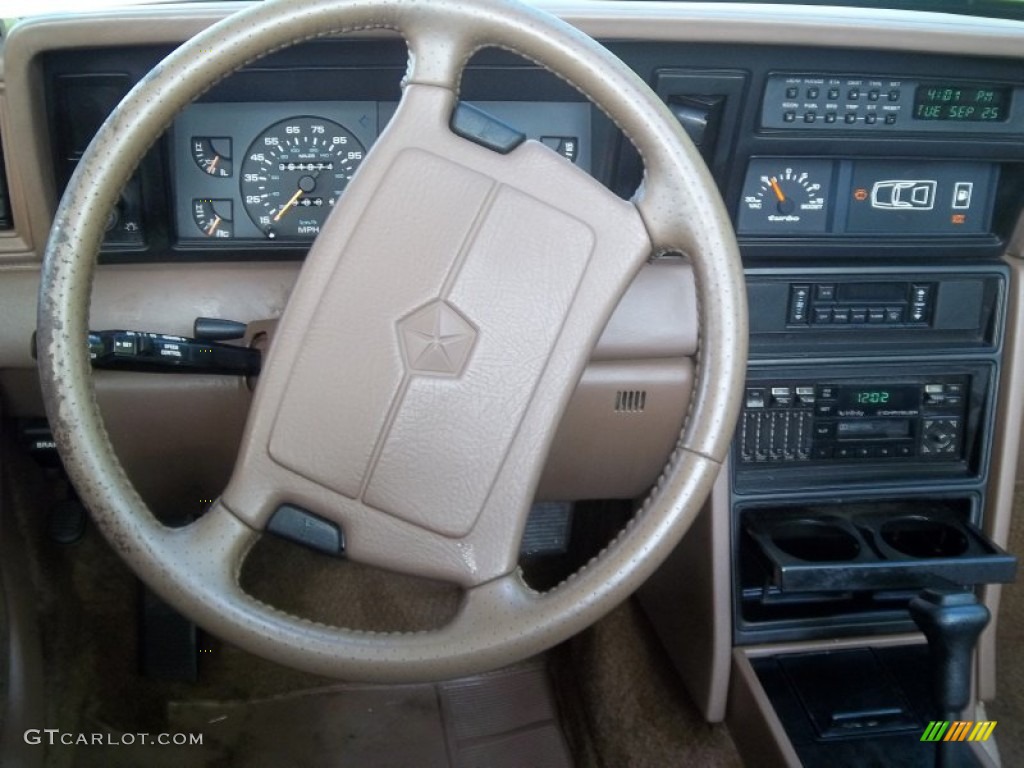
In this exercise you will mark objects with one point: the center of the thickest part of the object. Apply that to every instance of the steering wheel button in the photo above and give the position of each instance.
(474, 124)
(298, 525)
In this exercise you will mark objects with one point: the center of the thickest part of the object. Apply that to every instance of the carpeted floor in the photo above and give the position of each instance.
(618, 698)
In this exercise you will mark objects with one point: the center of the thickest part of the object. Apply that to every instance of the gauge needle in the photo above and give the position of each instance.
(213, 226)
(288, 205)
(777, 189)
(213, 165)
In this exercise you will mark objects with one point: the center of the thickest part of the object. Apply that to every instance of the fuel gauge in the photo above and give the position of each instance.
(786, 196)
(213, 155)
(214, 217)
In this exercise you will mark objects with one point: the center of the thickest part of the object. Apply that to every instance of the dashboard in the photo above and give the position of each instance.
(814, 160)
(873, 169)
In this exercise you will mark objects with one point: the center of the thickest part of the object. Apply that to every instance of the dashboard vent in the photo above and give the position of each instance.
(6, 222)
(630, 400)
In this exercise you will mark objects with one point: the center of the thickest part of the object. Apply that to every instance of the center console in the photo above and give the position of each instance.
(859, 476)
(871, 211)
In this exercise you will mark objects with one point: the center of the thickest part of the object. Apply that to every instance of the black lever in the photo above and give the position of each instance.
(159, 352)
(952, 622)
(217, 329)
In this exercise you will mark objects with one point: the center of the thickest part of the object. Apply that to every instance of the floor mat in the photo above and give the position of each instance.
(505, 718)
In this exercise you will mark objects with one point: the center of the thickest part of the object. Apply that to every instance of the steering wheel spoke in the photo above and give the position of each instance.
(210, 551)
(439, 48)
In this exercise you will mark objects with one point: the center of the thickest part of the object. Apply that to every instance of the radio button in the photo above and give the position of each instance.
(845, 452)
(904, 450)
(755, 398)
(954, 389)
(939, 436)
(823, 451)
(805, 395)
(934, 389)
(827, 392)
(884, 451)
(824, 431)
(782, 397)
(799, 303)
(862, 452)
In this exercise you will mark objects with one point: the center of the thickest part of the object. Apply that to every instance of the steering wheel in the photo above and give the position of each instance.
(436, 332)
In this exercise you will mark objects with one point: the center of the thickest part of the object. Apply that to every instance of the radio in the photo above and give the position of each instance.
(858, 420)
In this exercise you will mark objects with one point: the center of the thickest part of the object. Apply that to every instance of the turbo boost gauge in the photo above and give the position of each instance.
(785, 197)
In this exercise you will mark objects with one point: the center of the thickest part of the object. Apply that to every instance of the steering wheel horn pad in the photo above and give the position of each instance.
(432, 472)
(429, 348)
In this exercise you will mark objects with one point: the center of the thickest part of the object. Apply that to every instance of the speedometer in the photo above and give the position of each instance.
(294, 173)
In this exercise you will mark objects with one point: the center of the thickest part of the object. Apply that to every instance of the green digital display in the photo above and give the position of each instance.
(881, 399)
(960, 103)
(872, 396)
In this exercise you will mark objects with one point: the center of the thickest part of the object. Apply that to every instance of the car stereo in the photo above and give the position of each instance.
(801, 420)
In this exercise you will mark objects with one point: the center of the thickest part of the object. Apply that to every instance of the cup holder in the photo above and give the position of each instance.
(924, 538)
(873, 546)
(816, 541)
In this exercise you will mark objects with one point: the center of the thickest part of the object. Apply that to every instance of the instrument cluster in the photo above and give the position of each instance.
(271, 173)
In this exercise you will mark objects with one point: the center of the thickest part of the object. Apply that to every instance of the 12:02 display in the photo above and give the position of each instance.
(872, 397)
(961, 103)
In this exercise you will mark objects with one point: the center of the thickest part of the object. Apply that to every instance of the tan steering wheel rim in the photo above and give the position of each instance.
(196, 568)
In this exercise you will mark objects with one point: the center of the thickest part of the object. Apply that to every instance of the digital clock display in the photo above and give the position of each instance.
(900, 397)
(872, 397)
(961, 103)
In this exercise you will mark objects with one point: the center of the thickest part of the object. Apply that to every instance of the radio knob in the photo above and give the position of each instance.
(939, 436)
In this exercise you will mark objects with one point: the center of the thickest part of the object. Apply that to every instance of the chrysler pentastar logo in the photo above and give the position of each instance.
(436, 340)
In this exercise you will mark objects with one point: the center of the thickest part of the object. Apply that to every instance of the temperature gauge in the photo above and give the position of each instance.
(213, 155)
(214, 217)
(785, 197)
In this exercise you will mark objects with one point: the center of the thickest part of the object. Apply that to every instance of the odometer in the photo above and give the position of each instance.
(294, 173)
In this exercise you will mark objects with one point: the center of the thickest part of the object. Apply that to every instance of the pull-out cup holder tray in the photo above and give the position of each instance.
(862, 551)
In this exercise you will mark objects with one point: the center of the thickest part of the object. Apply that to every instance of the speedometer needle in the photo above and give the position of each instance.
(777, 189)
(288, 205)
